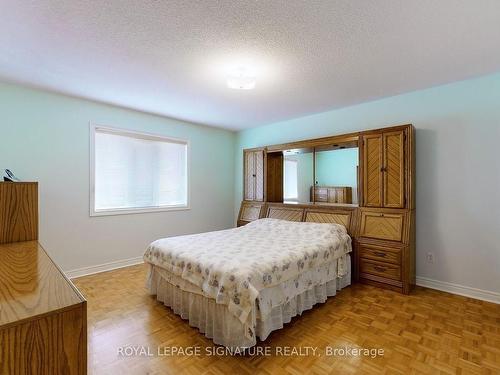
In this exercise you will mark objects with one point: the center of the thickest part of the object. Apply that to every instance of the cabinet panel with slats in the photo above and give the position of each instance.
(382, 225)
(259, 175)
(249, 176)
(254, 175)
(373, 164)
(393, 171)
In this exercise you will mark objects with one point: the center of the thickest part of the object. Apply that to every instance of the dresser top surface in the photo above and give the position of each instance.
(31, 284)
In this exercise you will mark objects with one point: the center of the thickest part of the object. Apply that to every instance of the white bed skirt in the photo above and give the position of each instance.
(217, 323)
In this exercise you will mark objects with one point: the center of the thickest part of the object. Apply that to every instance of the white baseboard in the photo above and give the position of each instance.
(484, 295)
(103, 267)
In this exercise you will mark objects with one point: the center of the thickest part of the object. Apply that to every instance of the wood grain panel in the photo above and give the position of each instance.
(259, 175)
(18, 211)
(380, 253)
(290, 214)
(42, 315)
(53, 344)
(372, 170)
(325, 143)
(326, 217)
(30, 284)
(249, 175)
(386, 270)
(250, 213)
(380, 225)
(394, 188)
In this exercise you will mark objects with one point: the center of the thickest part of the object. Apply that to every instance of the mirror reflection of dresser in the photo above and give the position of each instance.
(331, 194)
(321, 174)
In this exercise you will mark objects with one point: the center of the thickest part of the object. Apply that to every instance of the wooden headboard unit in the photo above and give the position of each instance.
(382, 225)
(343, 215)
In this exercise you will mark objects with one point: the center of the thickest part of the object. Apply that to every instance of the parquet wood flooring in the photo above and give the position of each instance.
(427, 332)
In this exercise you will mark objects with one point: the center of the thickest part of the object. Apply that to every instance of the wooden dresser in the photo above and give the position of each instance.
(43, 323)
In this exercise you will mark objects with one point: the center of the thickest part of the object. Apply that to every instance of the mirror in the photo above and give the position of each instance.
(298, 175)
(336, 179)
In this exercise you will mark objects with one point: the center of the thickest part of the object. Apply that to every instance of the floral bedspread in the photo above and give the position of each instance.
(233, 265)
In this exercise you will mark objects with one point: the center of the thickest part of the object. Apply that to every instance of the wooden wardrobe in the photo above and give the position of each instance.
(382, 225)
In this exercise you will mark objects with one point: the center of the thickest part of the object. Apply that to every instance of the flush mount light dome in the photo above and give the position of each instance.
(241, 79)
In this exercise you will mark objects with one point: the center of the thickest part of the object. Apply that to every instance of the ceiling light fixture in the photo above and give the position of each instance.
(241, 79)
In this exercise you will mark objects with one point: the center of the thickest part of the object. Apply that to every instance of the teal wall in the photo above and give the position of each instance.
(338, 168)
(45, 137)
(457, 177)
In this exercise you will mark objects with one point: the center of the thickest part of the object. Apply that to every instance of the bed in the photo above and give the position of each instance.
(239, 284)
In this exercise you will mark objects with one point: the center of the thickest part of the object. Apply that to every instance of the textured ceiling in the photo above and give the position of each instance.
(169, 57)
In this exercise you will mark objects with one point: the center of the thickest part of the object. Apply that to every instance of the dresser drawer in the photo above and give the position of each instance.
(383, 254)
(387, 270)
(381, 225)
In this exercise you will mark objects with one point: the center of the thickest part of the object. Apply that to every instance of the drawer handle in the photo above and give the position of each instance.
(379, 269)
(379, 254)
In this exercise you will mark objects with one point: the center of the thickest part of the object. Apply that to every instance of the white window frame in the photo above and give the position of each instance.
(143, 135)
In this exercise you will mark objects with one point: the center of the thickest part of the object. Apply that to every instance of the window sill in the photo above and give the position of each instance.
(131, 211)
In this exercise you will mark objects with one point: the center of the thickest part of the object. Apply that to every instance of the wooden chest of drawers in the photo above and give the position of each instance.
(43, 317)
(43, 323)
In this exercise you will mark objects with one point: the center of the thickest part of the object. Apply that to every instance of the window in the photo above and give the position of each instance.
(290, 186)
(136, 172)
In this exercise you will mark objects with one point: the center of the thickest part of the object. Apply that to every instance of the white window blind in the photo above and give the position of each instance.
(290, 186)
(134, 171)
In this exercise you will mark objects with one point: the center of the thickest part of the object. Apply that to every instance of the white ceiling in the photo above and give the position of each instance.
(169, 57)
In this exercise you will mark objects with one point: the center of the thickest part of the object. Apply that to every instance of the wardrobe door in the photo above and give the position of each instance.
(259, 175)
(372, 171)
(393, 171)
(249, 175)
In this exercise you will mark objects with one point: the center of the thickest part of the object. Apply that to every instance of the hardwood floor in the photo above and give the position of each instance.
(427, 332)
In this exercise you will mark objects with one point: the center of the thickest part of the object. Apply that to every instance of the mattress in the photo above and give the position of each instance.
(238, 267)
